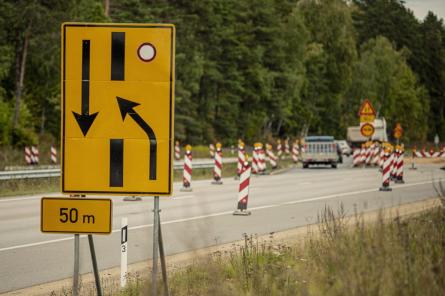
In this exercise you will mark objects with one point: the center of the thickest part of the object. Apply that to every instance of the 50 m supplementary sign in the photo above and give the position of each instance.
(76, 215)
(117, 108)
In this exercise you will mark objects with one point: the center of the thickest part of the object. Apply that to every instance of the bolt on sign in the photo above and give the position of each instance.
(76, 215)
(117, 108)
(398, 131)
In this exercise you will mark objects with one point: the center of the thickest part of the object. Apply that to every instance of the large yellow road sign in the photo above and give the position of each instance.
(76, 215)
(117, 108)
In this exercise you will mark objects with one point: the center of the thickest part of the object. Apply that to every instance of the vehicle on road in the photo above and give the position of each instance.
(344, 147)
(320, 150)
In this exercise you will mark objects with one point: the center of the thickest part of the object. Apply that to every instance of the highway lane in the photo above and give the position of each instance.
(197, 219)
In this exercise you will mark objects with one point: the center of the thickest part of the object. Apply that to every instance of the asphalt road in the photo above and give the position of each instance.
(197, 219)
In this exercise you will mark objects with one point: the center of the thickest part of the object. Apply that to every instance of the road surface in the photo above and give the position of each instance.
(196, 219)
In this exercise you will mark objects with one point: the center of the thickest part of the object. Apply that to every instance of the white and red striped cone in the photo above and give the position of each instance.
(187, 174)
(212, 151)
(286, 147)
(243, 192)
(34, 155)
(279, 149)
(53, 155)
(295, 152)
(399, 177)
(241, 159)
(217, 170)
(356, 157)
(255, 160)
(271, 157)
(375, 154)
(28, 156)
(386, 173)
(177, 151)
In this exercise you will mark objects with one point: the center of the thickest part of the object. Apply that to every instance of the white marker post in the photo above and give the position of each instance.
(124, 250)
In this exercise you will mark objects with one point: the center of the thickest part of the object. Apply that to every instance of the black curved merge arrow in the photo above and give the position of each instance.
(85, 119)
(126, 107)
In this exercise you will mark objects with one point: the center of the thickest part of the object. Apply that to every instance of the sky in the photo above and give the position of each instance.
(421, 7)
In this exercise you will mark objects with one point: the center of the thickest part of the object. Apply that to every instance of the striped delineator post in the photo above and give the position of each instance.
(177, 151)
(375, 154)
(295, 151)
(286, 147)
(279, 148)
(368, 153)
(187, 175)
(399, 176)
(356, 157)
(241, 158)
(255, 152)
(28, 156)
(53, 155)
(212, 151)
(217, 170)
(271, 157)
(381, 156)
(261, 159)
(363, 155)
(386, 172)
(34, 155)
(243, 192)
(124, 251)
(395, 157)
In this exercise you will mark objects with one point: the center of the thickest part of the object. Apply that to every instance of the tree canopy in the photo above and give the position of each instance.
(250, 69)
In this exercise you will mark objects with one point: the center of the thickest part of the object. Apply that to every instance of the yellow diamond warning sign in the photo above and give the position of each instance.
(117, 108)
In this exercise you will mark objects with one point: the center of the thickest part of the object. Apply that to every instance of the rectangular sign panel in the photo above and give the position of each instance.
(76, 215)
(117, 108)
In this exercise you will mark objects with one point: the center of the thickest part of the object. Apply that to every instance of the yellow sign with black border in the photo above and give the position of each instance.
(76, 215)
(117, 108)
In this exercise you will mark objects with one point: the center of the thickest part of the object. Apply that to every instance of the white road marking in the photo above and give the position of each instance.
(224, 213)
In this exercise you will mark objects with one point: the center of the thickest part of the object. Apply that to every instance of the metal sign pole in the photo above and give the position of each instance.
(96, 271)
(155, 246)
(76, 266)
(162, 255)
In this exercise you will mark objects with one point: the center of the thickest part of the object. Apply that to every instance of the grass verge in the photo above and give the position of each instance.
(393, 256)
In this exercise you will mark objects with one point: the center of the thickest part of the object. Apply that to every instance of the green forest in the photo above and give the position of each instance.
(251, 69)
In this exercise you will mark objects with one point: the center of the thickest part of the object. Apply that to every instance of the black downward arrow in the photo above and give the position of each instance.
(85, 119)
(126, 107)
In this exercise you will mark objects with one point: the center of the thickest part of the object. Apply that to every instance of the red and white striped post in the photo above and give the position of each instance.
(261, 160)
(395, 156)
(241, 159)
(375, 154)
(28, 156)
(177, 151)
(279, 149)
(34, 155)
(363, 155)
(187, 174)
(243, 192)
(286, 147)
(356, 157)
(217, 170)
(368, 153)
(271, 157)
(295, 151)
(399, 177)
(255, 160)
(212, 151)
(386, 172)
(53, 155)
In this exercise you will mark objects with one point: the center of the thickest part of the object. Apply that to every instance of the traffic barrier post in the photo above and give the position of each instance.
(177, 151)
(271, 157)
(217, 170)
(53, 155)
(28, 156)
(243, 192)
(187, 173)
(386, 172)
